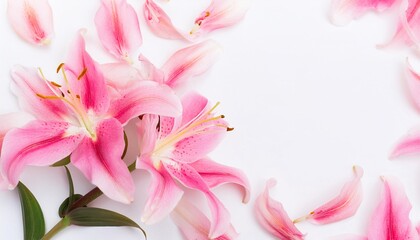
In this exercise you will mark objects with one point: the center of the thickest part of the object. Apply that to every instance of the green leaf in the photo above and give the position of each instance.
(33, 219)
(125, 146)
(65, 206)
(98, 217)
(62, 162)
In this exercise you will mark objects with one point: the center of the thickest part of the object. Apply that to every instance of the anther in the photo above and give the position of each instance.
(59, 67)
(40, 95)
(229, 129)
(55, 84)
(82, 74)
(68, 91)
(78, 96)
(222, 116)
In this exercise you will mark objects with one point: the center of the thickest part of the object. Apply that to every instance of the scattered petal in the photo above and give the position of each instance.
(31, 20)
(273, 218)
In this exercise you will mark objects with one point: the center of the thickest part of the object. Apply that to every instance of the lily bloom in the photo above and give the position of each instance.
(194, 225)
(31, 20)
(343, 11)
(79, 117)
(174, 149)
(273, 218)
(342, 206)
(118, 28)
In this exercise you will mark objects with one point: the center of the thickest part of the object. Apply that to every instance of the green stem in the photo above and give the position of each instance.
(63, 223)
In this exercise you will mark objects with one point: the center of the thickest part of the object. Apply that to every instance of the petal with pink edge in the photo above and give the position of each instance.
(100, 161)
(391, 217)
(118, 28)
(342, 206)
(194, 106)
(10, 121)
(413, 83)
(146, 97)
(343, 11)
(219, 14)
(164, 194)
(32, 20)
(147, 133)
(189, 62)
(410, 144)
(215, 174)
(38, 143)
(159, 22)
(88, 80)
(194, 225)
(273, 218)
(27, 84)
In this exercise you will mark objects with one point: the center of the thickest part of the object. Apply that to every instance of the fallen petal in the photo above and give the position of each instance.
(273, 218)
(410, 144)
(343, 206)
(31, 20)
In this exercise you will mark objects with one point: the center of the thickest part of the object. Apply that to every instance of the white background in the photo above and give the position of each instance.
(308, 100)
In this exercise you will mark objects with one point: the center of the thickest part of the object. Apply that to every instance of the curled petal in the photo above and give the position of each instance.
(159, 22)
(220, 14)
(38, 143)
(118, 28)
(190, 178)
(10, 121)
(194, 225)
(343, 11)
(410, 144)
(344, 205)
(100, 161)
(164, 194)
(145, 97)
(215, 174)
(194, 106)
(391, 218)
(273, 218)
(147, 133)
(190, 62)
(31, 20)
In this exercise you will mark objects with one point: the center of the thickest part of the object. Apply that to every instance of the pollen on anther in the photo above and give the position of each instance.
(82, 74)
(78, 96)
(229, 129)
(68, 91)
(55, 84)
(59, 67)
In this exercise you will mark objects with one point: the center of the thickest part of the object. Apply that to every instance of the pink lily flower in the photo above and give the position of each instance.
(194, 225)
(273, 218)
(410, 144)
(118, 28)
(391, 218)
(343, 11)
(79, 117)
(31, 20)
(342, 206)
(219, 14)
(174, 150)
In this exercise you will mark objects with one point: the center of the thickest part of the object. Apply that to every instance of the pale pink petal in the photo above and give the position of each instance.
(273, 218)
(146, 97)
(10, 121)
(348, 237)
(27, 84)
(220, 14)
(88, 81)
(418, 229)
(343, 11)
(32, 20)
(147, 134)
(118, 28)
(190, 62)
(342, 206)
(413, 82)
(100, 161)
(163, 196)
(194, 225)
(120, 75)
(38, 143)
(391, 218)
(410, 144)
(190, 178)
(149, 71)
(159, 22)
(215, 174)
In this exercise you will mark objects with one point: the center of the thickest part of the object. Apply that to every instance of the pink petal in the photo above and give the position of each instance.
(190, 178)
(215, 174)
(118, 28)
(194, 105)
(38, 143)
(159, 22)
(31, 20)
(349, 237)
(413, 82)
(190, 62)
(145, 97)
(120, 75)
(391, 217)
(10, 121)
(343, 11)
(220, 14)
(410, 144)
(147, 133)
(90, 86)
(273, 218)
(26, 84)
(163, 196)
(342, 206)
(100, 161)
(194, 225)
(149, 71)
